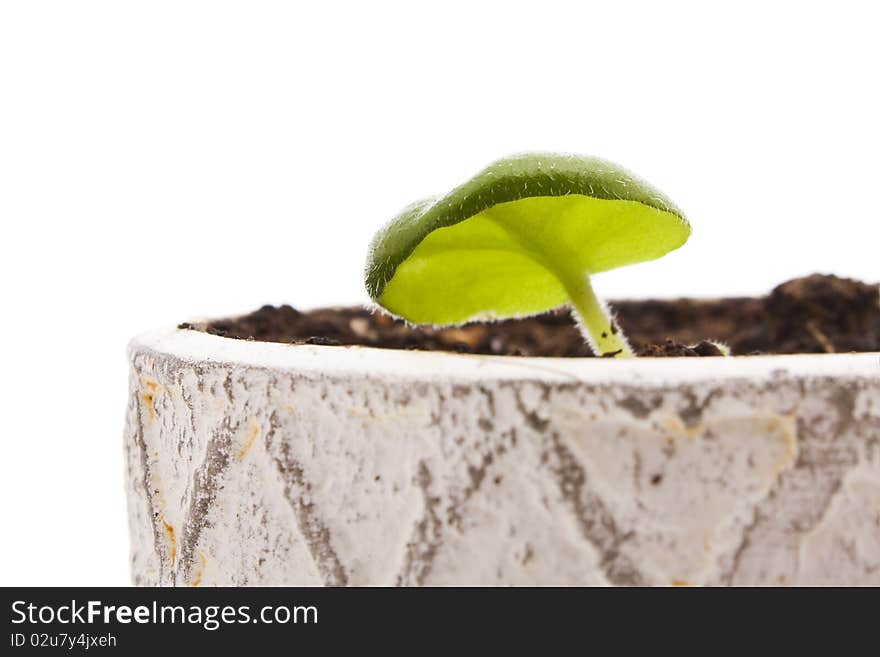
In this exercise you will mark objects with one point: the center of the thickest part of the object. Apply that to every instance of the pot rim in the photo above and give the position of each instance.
(193, 346)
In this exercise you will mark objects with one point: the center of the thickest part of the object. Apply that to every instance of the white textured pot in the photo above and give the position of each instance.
(257, 463)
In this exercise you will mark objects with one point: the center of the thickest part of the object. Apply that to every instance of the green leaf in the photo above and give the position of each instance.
(519, 238)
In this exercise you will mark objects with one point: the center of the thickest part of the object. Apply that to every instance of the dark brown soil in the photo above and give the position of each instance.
(816, 314)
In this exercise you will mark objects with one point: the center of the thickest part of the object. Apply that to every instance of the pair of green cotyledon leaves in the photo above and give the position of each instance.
(522, 237)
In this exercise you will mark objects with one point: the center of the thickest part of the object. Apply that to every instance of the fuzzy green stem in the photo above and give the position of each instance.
(597, 327)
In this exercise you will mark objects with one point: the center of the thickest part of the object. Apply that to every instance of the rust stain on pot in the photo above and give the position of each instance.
(149, 396)
(148, 401)
(675, 426)
(203, 560)
(255, 431)
(171, 540)
(785, 426)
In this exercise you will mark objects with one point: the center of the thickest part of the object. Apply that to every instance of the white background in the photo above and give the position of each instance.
(165, 160)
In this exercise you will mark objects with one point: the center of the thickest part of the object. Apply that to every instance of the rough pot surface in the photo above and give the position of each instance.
(252, 463)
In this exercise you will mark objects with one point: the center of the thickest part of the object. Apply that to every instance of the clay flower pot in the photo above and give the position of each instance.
(252, 463)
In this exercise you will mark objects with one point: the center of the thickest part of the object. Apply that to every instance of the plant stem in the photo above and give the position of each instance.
(596, 325)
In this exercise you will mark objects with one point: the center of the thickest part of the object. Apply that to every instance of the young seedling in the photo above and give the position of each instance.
(520, 238)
